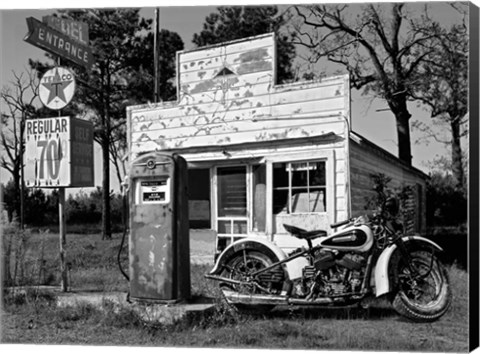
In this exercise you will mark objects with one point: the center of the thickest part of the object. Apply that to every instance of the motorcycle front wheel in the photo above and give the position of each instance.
(424, 293)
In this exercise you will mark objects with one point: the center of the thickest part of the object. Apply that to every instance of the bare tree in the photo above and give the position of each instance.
(442, 84)
(118, 151)
(378, 46)
(18, 100)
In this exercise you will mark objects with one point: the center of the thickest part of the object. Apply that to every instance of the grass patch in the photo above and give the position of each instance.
(327, 329)
(33, 317)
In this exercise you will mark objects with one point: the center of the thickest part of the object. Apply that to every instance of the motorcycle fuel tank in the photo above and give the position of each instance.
(353, 238)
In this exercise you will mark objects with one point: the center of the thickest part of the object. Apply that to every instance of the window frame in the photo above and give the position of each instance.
(290, 188)
(230, 237)
(332, 168)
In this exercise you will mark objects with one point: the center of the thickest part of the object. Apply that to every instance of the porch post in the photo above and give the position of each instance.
(269, 200)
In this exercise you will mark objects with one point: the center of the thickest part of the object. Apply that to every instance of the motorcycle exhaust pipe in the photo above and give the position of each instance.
(319, 301)
(254, 299)
(259, 299)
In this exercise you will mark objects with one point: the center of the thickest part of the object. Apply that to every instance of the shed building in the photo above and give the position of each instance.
(260, 154)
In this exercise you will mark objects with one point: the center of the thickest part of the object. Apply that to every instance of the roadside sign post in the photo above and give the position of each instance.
(63, 238)
(59, 154)
(60, 149)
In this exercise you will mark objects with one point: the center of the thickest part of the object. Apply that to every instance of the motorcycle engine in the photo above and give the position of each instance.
(332, 273)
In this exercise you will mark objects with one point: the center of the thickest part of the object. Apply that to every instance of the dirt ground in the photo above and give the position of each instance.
(202, 246)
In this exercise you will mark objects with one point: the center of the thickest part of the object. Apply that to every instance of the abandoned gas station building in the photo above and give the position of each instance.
(259, 154)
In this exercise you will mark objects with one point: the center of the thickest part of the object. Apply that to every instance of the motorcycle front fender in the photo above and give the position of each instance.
(292, 268)
(382, 280)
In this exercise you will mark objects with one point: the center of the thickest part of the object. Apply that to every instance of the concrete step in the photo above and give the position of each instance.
(152, 313)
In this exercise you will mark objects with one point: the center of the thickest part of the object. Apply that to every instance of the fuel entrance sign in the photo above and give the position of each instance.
(59, 153)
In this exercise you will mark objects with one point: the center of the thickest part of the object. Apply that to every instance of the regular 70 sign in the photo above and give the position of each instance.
(59, 152)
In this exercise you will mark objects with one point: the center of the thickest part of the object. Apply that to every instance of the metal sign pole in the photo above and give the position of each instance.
(62, 229)
(63, 238)
(156, 66)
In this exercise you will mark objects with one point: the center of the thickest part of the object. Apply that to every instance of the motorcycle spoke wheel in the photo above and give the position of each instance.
(424, 292)
(243, 265)
(424, 286)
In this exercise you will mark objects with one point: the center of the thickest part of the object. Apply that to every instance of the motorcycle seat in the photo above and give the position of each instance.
(304, 234)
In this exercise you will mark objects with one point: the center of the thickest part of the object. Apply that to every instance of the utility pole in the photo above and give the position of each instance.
(22, 179)
(156, 41)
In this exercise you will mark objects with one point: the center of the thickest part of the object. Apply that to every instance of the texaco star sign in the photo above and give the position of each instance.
(57, 87)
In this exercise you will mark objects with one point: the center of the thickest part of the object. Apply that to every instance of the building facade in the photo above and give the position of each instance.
(260, 154)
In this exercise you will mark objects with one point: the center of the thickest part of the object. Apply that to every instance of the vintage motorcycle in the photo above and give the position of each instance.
(366, 257)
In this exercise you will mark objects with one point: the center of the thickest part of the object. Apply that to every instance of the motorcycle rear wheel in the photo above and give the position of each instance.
(240, 267)
(425, 296)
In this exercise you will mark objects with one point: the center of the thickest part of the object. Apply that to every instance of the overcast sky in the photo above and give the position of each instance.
(378, 126)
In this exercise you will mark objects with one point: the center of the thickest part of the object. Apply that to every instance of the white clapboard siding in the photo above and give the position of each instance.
(233, 122)
(204, 70)
(143, 142)
(211, 83)
(306, 99)
(340, 184)
(200, 56)
(245, 86)
(212, 71)
(173, 118)
(242, 107)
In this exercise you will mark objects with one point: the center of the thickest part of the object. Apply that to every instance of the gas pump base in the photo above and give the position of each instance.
(150, 313)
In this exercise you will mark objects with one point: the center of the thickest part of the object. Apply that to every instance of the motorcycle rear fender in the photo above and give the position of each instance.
(382, 281)
(292, 268)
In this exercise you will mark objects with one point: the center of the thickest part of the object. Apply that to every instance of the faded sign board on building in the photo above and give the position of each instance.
(59, 152)
(227, 95)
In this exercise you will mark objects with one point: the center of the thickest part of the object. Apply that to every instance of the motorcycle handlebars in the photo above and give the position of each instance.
(341, 223)
(360, 219)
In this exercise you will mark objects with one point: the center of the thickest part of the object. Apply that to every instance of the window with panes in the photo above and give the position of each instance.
(299, 187)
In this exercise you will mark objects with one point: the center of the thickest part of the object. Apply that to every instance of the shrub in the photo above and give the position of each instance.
(446, 204)
(13, 252)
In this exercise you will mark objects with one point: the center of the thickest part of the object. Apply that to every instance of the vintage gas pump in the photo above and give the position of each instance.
(159, 258)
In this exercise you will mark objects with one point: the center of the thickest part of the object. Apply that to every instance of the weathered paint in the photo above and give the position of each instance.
(158, 238)
(229, 107)
(59, 153)
(227, 96)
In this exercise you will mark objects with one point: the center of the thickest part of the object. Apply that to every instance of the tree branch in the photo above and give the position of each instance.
(380, 31)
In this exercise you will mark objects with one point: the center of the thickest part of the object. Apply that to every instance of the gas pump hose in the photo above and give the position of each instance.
(125, 230)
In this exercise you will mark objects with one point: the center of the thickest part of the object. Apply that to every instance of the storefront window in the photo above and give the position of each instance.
(299, 187)
(232, 191)
(232, 220)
